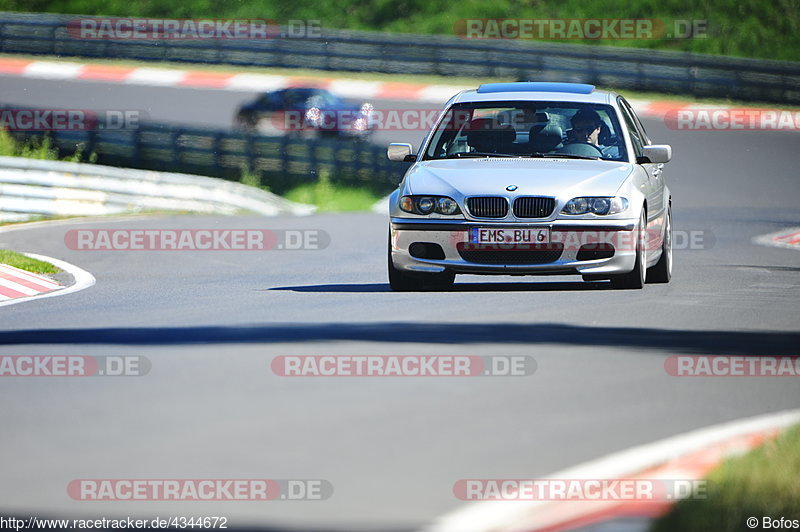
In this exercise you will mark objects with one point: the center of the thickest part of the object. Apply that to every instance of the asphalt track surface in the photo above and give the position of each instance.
(211, 322)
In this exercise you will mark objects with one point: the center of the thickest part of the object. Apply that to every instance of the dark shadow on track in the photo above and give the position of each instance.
(770, 268)
(357, 288)
(753, 343)
(458, 287)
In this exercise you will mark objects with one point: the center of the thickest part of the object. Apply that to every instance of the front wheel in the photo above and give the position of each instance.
(243, 122)
(635, 278)
(662, 271)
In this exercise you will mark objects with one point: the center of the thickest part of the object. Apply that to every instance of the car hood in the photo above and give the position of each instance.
(537, 177)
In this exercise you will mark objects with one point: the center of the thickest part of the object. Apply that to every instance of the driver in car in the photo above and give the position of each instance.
(585, 128)
(589, 129)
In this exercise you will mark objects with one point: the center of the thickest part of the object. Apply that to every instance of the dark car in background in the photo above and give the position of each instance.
(298, 110)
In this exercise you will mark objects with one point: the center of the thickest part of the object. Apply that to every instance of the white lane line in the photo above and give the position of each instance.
(497, 516)
(83, 280)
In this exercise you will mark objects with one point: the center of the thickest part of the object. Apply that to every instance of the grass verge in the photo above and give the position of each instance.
(18, 260)
(38, 148)
(328, 197)
(762, 483)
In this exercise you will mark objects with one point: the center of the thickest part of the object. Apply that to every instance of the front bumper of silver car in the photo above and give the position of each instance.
(594, 248)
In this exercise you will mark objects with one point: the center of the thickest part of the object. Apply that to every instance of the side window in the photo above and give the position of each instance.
(633, 130)
(266, 101)
(642, 133)
(444, 137)
(293, 99)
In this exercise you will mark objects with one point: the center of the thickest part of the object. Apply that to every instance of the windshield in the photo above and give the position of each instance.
(322, 99)
(528, 129)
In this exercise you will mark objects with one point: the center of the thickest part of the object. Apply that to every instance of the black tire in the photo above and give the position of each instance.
(662, 271)
(401, 281)
(635, 279)
(440, 281)
(242, 122)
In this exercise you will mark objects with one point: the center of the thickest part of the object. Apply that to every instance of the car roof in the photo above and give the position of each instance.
(536, 91)
(302, 89)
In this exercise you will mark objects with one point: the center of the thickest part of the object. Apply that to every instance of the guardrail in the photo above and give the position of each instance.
(617, 67)
(280, 162)
(30, 186)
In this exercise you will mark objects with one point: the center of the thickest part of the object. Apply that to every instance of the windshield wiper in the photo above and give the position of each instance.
(561, 156)
(475, 154)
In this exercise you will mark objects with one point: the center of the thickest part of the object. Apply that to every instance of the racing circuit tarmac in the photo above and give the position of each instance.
(210, 323)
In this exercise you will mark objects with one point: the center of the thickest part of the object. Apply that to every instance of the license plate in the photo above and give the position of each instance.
(505, 235)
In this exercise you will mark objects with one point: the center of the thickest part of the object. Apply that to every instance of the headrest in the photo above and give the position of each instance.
(540, 121)
(546, 139)
(485, 134)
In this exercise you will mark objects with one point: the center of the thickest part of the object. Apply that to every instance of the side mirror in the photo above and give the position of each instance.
(400, 151)
(657, 153)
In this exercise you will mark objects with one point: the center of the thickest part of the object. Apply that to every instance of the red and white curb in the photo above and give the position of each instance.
(18, 286)
(199, 79)
(248, 82)
(788, 238)
(689, 456)
(16, 283)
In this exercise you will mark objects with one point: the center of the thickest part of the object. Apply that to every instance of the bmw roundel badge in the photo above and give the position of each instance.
(511, 188)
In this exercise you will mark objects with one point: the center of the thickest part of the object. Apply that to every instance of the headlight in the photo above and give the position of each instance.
(425, 205)
(359, 124)
(429, 204)
(313, 114)
(602, 205)
(446, 206)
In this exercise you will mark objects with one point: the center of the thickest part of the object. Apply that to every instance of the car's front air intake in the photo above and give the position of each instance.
(488, 207)
(510, 253)
(534, 207)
